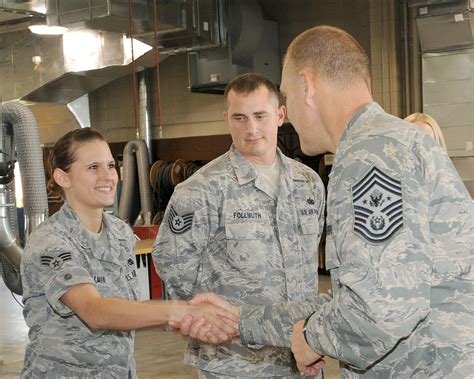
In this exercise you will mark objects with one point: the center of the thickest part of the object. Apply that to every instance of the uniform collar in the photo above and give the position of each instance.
(355, 124)
(246, 172)
(68, 217)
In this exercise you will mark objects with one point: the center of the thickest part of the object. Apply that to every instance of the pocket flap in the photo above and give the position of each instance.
(246, 231)
(310, 228)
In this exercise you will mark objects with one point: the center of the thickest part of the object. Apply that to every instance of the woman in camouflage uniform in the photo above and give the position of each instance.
(79, 274)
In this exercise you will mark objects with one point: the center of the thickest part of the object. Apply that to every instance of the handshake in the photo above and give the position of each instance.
(207, 318)
(212, 320)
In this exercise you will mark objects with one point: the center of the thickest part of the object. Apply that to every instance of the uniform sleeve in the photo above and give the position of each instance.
(181, 241)
(378, 229)
(51, 267)
(272, 325)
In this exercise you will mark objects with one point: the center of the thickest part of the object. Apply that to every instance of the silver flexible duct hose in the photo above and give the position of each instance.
(30, 158)
(138, 149)
(18, 124)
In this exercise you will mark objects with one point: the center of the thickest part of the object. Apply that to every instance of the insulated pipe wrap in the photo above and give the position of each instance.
(30, 158)
(19, 132)
(135, 149)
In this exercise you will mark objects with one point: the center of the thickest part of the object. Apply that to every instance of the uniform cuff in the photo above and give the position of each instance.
(249, 325)
(314, 334)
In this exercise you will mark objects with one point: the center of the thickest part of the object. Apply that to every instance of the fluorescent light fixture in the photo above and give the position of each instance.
(47, 30)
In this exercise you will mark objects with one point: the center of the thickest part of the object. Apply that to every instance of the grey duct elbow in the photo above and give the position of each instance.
(11, 251)
(135, 151)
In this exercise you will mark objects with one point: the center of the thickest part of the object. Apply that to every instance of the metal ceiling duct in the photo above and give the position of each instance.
(180, 24)
(252, 46)
(58, 70)
(15, 10)
(444, 24)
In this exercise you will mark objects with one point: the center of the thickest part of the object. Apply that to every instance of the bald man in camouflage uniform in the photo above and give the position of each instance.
(410, 284)
(230, 230)
(60, 255)
(400, 234)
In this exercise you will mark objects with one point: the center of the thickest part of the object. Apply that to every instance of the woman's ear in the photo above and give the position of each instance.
(61, 178)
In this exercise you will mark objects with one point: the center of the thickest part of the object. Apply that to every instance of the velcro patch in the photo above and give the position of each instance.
(377, 205)
(55, 262)
(179, 224)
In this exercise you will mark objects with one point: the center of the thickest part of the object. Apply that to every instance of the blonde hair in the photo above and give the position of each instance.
(332, 53)
(427, 119)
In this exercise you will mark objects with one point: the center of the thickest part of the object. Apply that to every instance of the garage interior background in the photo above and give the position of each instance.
(421, 53)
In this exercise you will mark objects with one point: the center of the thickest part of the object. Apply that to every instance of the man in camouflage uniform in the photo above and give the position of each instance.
(246, 226)
(62, 254)
(400, 234)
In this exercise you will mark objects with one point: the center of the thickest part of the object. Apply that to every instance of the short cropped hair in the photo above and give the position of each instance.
(427, 119)
(248, 83)
(331, 53)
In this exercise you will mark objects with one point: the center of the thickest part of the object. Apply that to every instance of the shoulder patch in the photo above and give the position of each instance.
(55, 262)
(179, 224)
(377, 206)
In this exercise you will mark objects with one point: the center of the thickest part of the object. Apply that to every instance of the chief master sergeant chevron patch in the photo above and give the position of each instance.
(377, 205)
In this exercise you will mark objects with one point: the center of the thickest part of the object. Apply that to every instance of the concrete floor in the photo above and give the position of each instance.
(159, 353)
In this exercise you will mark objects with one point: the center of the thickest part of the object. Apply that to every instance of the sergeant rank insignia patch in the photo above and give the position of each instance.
(179, 224)
(55, 262)
(377, 205)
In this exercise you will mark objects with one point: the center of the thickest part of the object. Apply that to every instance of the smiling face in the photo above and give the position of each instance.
(91, 180)
(254, 119)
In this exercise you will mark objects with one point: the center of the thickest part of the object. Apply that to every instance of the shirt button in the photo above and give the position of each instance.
(68, 277)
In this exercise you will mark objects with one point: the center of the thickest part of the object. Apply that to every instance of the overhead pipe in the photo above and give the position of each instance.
(19, 133)
(144, 111)
(135, 151)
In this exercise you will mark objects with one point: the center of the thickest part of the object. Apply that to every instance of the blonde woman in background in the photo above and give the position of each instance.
(428, 125)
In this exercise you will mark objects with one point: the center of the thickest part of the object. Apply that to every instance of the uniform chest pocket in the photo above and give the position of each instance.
(310, 226)
(309, 237)
(249, 248)
(247, 231)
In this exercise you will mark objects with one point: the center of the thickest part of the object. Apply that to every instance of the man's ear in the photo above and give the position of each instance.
(61, 178)
(281, 115)
(306, 80)
(226, 116)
